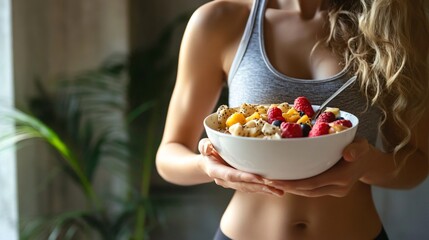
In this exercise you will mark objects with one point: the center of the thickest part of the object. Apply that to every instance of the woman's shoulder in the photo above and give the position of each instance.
(225, 8)
(221, 16)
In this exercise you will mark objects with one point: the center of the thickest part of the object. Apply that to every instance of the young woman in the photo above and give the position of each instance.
(272, 51)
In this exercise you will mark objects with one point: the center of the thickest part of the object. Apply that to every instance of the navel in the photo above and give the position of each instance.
(300, 225)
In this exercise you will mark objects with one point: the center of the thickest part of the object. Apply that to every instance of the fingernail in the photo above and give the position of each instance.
(267, 190)
(272, 184)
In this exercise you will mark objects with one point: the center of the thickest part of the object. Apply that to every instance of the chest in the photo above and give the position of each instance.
(293, 45)
(278, 63)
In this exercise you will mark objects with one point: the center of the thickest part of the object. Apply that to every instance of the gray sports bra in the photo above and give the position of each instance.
(253, 79)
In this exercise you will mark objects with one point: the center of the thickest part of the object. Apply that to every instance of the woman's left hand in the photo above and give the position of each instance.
(338, 180)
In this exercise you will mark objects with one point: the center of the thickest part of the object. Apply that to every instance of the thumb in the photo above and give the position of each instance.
(205, 147)
(356, 149)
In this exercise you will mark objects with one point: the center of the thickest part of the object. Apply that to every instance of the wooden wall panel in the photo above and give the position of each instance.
(52, 38)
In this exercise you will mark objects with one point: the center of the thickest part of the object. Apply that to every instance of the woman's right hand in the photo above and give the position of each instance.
(228, 177)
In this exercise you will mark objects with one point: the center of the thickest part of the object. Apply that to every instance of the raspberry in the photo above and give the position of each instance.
(319, 128)
(344, 122)
(291, 130)
(274, 113)
(302, 104)
(326, 117)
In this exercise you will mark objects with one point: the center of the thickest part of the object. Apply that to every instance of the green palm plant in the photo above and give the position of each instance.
(86, 124)
(29, 127)
(88, 121)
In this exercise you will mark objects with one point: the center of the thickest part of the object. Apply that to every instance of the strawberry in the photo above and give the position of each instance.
(303, 104)
(326, 117)
(319, 128)
(291, 130)
(274, 113)
(344, 122)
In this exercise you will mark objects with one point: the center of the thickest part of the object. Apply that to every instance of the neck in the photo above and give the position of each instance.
(309, 8)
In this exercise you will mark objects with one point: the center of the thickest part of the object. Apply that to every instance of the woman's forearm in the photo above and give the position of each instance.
(392, 172)
(176, 164)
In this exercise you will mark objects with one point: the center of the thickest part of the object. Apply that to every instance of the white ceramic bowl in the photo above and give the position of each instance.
(286, 159)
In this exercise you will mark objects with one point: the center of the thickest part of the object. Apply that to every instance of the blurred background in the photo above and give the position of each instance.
(87, 83)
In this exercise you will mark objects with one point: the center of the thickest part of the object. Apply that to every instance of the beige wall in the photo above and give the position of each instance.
(149, 17)
(53, 38)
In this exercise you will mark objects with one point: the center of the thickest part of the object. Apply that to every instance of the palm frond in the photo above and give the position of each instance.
(88, 112)
(68, 225)
(29, 127)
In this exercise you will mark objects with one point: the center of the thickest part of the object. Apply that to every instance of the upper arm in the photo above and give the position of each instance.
(200, 76)
(420, 52)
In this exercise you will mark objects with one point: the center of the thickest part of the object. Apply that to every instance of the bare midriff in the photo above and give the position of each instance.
(255, 216)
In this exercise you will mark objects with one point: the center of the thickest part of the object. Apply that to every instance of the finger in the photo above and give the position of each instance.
(217, 168)
(307, 185)
(249, 187)
(334, 191)
(214, 155)
(239, 176)
(275, 191)
(334, 176)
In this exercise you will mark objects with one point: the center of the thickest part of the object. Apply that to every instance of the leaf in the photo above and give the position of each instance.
(140, 110)
(29, 127)
(61, 226)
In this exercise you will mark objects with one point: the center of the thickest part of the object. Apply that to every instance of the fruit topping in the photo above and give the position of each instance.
(326, 117)
(274, 113)
(303, 104)
(344, 122)
(278, 121)
(319, 129)
(290, 130)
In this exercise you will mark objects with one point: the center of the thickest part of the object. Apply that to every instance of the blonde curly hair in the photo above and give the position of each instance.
(377, 40)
